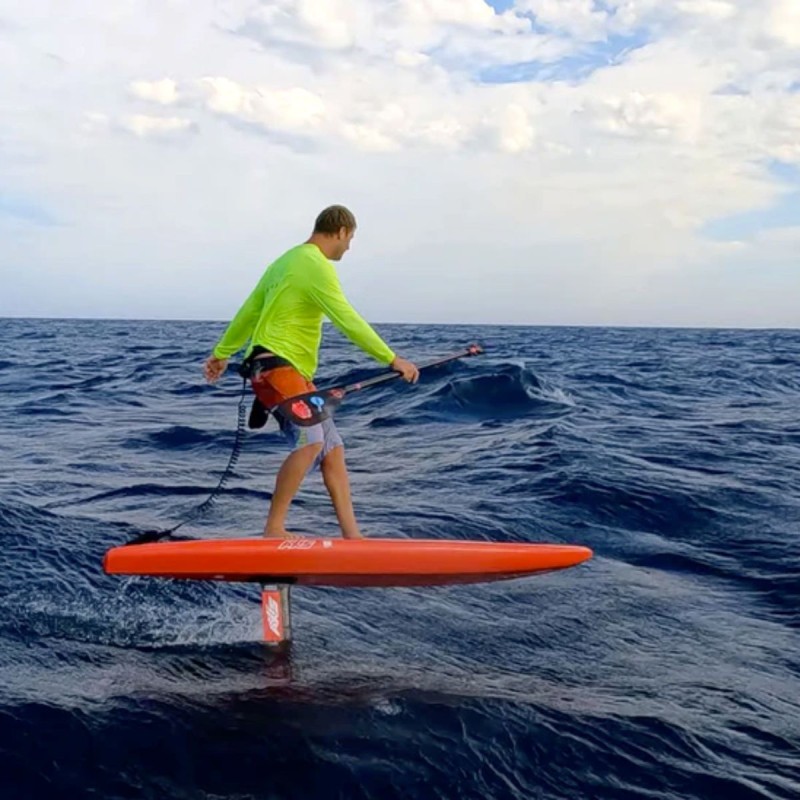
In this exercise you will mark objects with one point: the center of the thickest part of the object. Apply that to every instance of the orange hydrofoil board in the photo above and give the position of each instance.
(342, 562)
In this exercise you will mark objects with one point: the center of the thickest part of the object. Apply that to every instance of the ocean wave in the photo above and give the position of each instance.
(506, 391)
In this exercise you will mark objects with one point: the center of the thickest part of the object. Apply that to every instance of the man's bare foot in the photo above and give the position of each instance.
(353, 535)
(282, 534)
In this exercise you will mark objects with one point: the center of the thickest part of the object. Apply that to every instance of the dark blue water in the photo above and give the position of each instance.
(668, 666)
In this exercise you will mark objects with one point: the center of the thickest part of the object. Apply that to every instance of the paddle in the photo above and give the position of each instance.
(313, 407)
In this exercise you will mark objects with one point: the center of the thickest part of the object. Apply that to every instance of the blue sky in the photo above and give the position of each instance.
(573, 68)
(24, 209)
(525, 162)
(784, 213)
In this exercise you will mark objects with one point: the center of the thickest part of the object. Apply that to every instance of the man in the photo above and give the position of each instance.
(282, 319)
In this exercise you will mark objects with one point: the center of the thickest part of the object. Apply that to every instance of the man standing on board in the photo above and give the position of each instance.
(282, 320)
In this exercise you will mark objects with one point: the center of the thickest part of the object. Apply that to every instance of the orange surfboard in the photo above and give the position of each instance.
(342, 562)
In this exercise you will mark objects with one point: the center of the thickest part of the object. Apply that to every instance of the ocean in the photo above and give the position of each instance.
(666, 667)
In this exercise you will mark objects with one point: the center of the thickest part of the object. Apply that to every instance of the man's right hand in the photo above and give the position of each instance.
(406, 368)
(214, 367)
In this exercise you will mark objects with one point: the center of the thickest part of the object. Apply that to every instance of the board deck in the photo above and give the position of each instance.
(340, 562)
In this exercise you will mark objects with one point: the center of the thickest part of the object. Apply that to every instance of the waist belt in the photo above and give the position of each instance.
(253, 365)
(258, 365)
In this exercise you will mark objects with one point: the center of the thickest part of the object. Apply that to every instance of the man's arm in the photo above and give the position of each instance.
(236, 335)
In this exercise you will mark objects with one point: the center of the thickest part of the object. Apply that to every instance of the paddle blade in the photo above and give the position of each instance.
(258, 415)
(311, 408)
(148, 537)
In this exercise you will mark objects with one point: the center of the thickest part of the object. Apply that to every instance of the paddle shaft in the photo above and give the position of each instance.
(390, 376)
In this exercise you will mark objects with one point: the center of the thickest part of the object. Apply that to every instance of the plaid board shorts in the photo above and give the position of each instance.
(272, 387)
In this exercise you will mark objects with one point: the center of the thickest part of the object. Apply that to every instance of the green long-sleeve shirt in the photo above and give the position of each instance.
(284, 313)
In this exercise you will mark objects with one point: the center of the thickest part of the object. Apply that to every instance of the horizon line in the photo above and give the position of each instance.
(633, 326)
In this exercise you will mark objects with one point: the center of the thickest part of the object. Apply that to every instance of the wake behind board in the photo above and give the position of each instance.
(342, 562)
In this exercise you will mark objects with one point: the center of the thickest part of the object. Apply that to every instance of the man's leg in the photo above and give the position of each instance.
(334, 473)
(290, 476)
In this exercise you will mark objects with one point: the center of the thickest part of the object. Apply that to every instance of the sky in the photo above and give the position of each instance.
(535, 162)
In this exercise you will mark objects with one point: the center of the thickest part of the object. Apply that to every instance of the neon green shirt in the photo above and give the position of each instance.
(284, 313)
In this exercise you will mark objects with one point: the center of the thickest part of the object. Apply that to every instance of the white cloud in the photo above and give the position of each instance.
(469, 32)
(369, 138)
(145, 126)
(514, 129)
(660, 116)
(369, 120)
(475, 14)
(781, 130)
(409, 58)
(583, 19)
(95, 122)
(164, 92)
(782, 22)
(294, 109)
(712, 10)
(329, 24)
